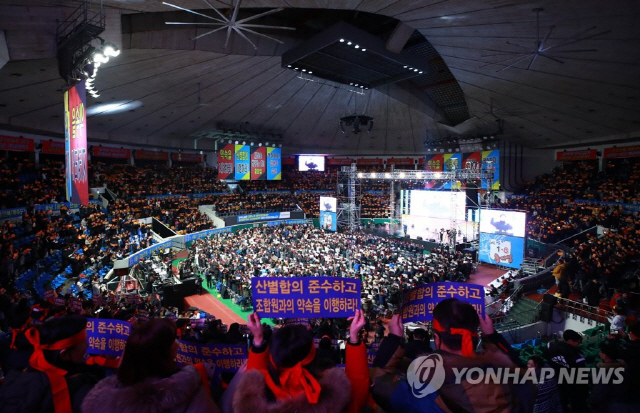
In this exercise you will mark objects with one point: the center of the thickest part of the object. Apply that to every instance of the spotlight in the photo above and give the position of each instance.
(244, 142)
(295, 68)
(288, 65)
(96, 64)
(111, 50)
(404, 67)
(449, 150)
(266, 144)
(359, 174)
(351, 83)
(237, 142)
(356, 84)
(100, 58)
(441, 150)
(484, 137)
(387, 175)
(438, 175)
(357, 46)
(229, 141)
(366, 88)
(373, 174)
(402, 175)
(251, 143)
(364, 50)
(349, 43)
(361, 87)
(341, 40)
(260, 144)
(415, 70)
(420, 72)
(304, 70)
(457, 149)
(310, 72)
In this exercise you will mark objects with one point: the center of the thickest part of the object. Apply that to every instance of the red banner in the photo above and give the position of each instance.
(435, 163)
(75, 131)
(289, 160)
(369, 161)
(472, 160)
(339, 161)
(400, 161)
(52, 147)
(623, 152)
(151, 155)
(581, 155)
(11, 143)
(187, 157)
(110, 152)
(258, 164)
(226, 162)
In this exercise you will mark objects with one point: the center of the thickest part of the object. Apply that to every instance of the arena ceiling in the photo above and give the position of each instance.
(184, 87)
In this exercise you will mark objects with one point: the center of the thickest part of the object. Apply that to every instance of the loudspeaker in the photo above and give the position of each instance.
(546, 312)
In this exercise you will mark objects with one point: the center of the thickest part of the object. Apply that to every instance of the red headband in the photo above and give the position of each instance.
(59, 389)
(16, 331)
(467, 337)
(296, 380)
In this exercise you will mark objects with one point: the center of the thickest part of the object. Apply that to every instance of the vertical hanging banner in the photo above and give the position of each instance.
(225, 162)
(75, 131)
(434, 163)
(243, 163)
(274, 164)
(452, 162)
(491, 164)
(258, 163)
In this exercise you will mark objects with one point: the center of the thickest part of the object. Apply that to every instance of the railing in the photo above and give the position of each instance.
(584, 310)
(579, 233)
(511, 299)
(507, 321)
(82, 15)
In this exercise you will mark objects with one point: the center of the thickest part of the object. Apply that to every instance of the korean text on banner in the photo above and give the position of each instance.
(20, 144)
(225, 162)
(75, 122)
(107, 336)
(226, 357)
(302, 297)
(243, 162)
(274, 164)
(258, 163)
(418, 303)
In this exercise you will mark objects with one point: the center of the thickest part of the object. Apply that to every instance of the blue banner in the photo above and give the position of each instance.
(305, 297)
(282, 191)
(198, 196)
(107, 336)
(274, 164)
(288, 222)
(263, 217)
(205, 234)
(502, 250)
(58, 206)
(12, 212)
(418, 303)
(226, 357)
(146, 253)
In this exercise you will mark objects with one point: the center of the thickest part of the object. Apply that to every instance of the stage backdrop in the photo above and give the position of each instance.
(485, 160)
(75, 130)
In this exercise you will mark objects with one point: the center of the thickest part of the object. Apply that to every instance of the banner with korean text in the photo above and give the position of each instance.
(13, 143)
(106, 336)
(418, 303)
(302, 297)
(187, 157)
(225, 162)
(243, 163)
(52, 147)
(226, 357)
(258, 163)
(141, 154)
(579, 155)
(75, 132)
(110, 152)
(274, 164)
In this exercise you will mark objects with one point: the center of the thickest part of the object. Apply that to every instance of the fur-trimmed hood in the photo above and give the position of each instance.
(181, 392)
(251, 395)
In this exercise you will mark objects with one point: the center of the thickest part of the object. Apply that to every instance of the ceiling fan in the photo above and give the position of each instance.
(541, 49)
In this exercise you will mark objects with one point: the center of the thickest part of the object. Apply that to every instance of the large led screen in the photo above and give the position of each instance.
(437, 204)
(501, 250)
(500, 222)
(328, 216)
(310, 163)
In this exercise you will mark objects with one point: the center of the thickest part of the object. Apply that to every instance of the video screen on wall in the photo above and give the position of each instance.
(310, 163)
(500, 222)
(328, 215)
(432, 211)
(501, 250)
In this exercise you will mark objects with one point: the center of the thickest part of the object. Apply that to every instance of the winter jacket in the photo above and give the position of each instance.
(342, 391)
(30, 391)
(182, 392)
(392, 392)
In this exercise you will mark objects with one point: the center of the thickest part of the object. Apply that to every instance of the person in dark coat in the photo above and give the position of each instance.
(57, 361)
(592, 293)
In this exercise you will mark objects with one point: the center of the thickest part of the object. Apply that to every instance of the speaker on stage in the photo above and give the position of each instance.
(472, 195)
(546, 312)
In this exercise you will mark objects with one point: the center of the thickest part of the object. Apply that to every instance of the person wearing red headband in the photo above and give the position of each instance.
(455, 330)
(281, 376)
(57, 379)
